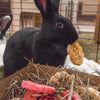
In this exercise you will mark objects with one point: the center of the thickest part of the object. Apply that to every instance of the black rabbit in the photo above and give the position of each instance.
(46, 45)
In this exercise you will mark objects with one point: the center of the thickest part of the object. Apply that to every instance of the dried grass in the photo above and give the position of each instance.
(42, 76)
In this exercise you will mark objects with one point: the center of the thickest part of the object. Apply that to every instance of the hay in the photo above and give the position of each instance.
(42, 76)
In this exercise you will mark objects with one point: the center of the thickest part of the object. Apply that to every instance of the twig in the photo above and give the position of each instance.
(88, 87)
(65, 97)
(39, 95)
(71, 93)
(72, 85)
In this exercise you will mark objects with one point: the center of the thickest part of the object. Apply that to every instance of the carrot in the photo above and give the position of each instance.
(37, 87)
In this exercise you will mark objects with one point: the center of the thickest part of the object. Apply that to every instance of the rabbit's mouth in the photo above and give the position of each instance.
(73, 38)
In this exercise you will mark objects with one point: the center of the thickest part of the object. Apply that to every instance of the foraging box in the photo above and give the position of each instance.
(10, 86)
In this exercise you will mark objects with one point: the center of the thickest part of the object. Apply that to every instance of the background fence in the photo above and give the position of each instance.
(84, 14)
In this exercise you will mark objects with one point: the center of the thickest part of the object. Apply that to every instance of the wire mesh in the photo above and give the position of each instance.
(84, 14)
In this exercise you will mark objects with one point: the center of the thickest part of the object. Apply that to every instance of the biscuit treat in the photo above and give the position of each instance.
(60, 77)
(76, 54)
(91, 91)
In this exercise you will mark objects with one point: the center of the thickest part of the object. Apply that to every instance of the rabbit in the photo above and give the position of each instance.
(45, 45)
(88, 66)
(4, 25)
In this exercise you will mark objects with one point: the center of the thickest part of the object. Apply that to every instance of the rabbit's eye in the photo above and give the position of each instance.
(59, 25)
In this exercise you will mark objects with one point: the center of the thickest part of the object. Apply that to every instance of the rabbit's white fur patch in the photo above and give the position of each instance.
(2, 48)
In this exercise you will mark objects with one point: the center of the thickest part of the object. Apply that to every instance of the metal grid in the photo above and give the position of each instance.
(84, 14)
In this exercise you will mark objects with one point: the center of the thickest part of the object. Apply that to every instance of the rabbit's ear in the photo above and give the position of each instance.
(56, 4)
(45, 6)
(5, 23)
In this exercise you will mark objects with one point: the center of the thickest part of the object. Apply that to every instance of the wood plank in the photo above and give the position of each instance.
(97, 28)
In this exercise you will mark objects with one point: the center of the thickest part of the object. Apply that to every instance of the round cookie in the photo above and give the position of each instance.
(76, 54)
